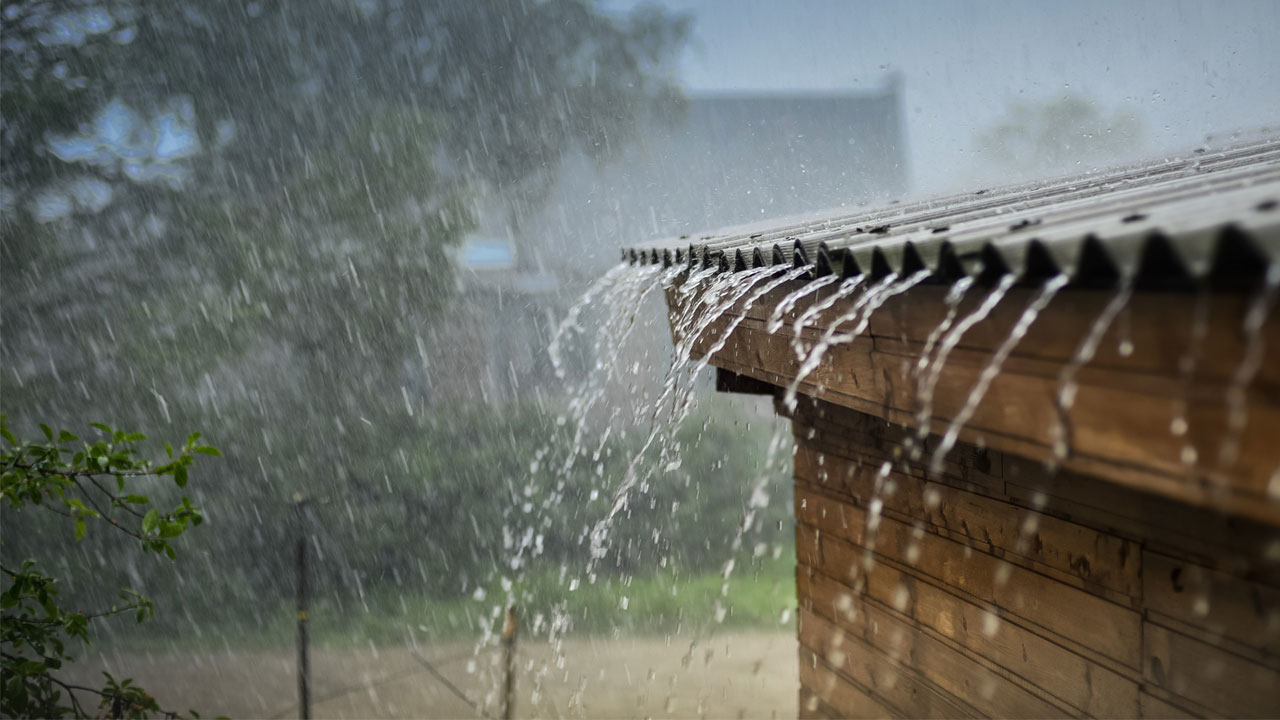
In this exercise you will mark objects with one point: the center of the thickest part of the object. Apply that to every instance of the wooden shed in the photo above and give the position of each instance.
(1037, 433)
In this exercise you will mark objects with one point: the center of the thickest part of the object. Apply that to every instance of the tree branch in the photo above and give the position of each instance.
(115, 499)
(72, 474)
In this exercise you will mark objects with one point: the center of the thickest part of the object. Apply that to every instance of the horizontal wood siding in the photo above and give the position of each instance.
(1154, 365)
(997, 589)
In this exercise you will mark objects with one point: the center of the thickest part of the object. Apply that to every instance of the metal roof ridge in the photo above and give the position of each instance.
(1210, 217)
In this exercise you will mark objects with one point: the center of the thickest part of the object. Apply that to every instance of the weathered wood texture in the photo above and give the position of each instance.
(997, 589)
(1153, 409)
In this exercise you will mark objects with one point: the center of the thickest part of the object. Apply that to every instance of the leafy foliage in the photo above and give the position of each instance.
(95, 482)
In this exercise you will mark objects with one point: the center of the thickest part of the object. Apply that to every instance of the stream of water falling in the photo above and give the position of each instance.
(1065, 398)
(1255, 346)
(862, 309)
(1179, 423)
(620, 291)
(847, 288)
(788, 303)
(952, 337)
(722, 293)
(992, 369)
(919, 373)
(684, 406)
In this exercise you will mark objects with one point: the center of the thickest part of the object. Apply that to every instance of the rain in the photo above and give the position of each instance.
(937, 376)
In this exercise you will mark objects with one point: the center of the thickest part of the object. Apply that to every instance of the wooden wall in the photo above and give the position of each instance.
(997, 590)
(1121, 423)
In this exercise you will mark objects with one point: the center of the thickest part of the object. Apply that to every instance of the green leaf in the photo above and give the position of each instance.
(180, 475)
(150, 521)
(168, 550)
(136, 499)
(8, 435)
(207, 450)
(66, 437)
(80, 529)
(171, 529)
(101, 426)
(47, 432)
(192, 438)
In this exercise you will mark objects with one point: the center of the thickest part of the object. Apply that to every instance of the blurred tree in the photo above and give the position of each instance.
(1058, 136)
(239, 213)
(293, 171)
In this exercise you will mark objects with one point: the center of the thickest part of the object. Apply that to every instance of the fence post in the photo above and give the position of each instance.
(304, 660)
(509, 631)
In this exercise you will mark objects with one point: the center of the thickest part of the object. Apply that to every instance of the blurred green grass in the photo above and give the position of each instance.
(759, 595)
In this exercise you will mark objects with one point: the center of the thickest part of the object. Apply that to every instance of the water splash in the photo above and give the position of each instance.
(993, 367)
(757, 500)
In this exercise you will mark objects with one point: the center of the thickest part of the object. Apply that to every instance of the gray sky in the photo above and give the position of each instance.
(1184, 69)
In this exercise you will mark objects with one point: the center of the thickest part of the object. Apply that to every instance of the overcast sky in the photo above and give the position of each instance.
(1184, 69)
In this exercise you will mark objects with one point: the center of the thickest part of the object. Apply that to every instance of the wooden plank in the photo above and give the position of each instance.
(812, 708)
(968, 534)
(1113, 631)
(957, 685)
(1157, 344)
(1150, 706)
(966, 463)
(1121, 435)
(1229, 543)
(843, 696)
(808, 547)
(893, 683)
(1209, 676)
(1117, 423)
(1090, 688)
(1215, 603)
(1094, 557)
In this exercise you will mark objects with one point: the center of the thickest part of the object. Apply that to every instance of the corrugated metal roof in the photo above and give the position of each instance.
(1210, 216)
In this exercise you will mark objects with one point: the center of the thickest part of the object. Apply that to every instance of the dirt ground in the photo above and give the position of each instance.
(744, 675)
